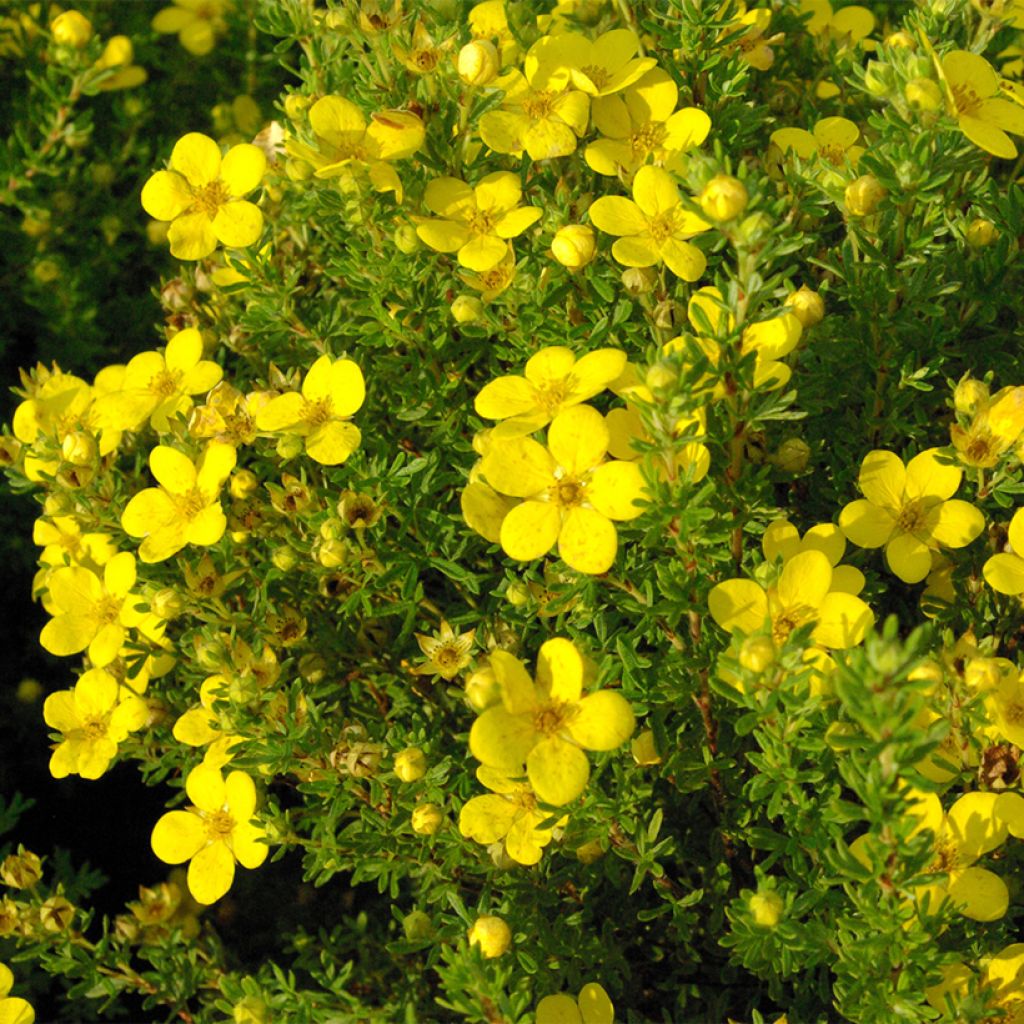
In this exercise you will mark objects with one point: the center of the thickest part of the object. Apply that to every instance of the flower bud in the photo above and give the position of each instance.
(21, 870)
(417, 926)
(981, 232)
(644, 749)
(517, 594)
(723, 198)
(660, 376)
(792, 455)
(410, 764)
(969, 395)
(72, 28)
(46, 271)
(478, 62)
(250, 1010)
(482, 689)
(878, 78)
(243, 484)
(923, 94)
(492, 935)
(863, 196)
(296, 104)
(639, 280)
(289, 446)
(79, 448)
(574, 246)
(156, 232)
(166, 604)
(757, 653)
(766, 908)
(56, 914)
(29, 690)
(405, 238)
(590, 852)
(807, 306)
(298, 170)
(901, 39)
(426, 819)
(982, 674)
(284, 558)
(467, 309)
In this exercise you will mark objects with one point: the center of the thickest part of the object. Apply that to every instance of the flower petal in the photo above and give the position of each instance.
(578, 439)
(1005, 573)
(959, 522)
(243, 169)
(530, 530)
(560, 670)
(558, 771)
(502, 740)
(211, 873)
(867, 525)
(614, 489)
(908, 557)
(929, 478)
(166, 195)
(882, 479)
(843, 620)
(604, 721)
(178, 836)
(739, 606)
(588, 541)
(238, 223)
(197, 157)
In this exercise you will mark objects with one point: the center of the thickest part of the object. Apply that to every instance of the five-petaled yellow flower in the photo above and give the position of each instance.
(197, 23)
(332, 391)
(214, 833)
(907, 510)
(553, 380)
(185, 508)
(94, 717)
(510, 813)
(476, 222)
(90, 612)
(201, 195)
(982, 115)
(653, 226)
(546, 725)
(572, 494)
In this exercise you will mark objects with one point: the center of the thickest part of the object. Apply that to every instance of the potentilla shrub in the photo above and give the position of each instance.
(558, 552)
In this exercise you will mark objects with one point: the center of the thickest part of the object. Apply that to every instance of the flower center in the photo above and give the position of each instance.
(164, 383)
(648, 138)
(947, 856)
(209, 198)
(552, 394)
(447, 657)
(568, 492)
(598, 75)
(913, 517)
(538, 105)
(663, 226)
(95, 727)
(190, 504)
(552, 718)
(219, 825)
(481, 222)
(318, 412)
(832, 152)
(966, 99)
(425, 60)
(108, 609)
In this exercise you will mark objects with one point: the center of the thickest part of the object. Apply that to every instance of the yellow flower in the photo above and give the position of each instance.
(654, 226)
(600, 67)
(642, 123)
(995, 427)
(159, 386)
(833, 141)
(572, 494)
(540, 112)
(447, 654)
(13, 1009)
(185, 508)
(782, 541)
(201, 195)
(476, 222)
(424, 55)
(554, 380)
(592, 1007)
(346, 144)
(488, 20)
(332, 391)
(974, 101)
(228, 415)
(492, 935)
(214, 833)
(90, 612)
(802, 595)
(491, 283)
(906, 510)
(117, 57)
(508, 814)
(972, 827)
(197, 23)
(1004, 572)
(846, 27)
(94, 717)
(1004, 703)
(546, 725)
(63, 543)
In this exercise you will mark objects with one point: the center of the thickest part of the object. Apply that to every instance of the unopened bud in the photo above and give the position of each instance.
(482, 689)
(807, 306)
(295, 105)
(478, 62)
(284, 558)
(757, 653)
(243, 484)
(426, 819)
(639, 280)
(969, 395)
(902, 39)
(766, 908)
(863, 196)
(467, 309)
(923, 94)
(410, 764)
(792, 455)
(417, 926)
(21, 870)
(405, 238)
(492, 935)
(72, 28)
(981, 232)
(574, 246)
(644, 749)
(79, 448)
(723, 198)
